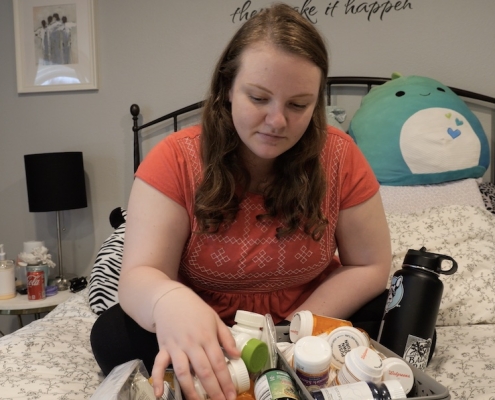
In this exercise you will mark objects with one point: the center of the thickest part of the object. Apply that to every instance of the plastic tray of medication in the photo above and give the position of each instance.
(425, 387)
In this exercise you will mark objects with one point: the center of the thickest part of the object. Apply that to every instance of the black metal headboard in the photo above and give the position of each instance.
(367, 82)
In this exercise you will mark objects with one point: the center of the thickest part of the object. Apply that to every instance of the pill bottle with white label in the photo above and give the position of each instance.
(361, 391)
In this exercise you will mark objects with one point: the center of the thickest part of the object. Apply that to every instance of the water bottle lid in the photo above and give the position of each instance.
(430, 261)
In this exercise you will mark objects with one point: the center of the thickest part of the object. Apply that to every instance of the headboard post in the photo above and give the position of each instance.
(135, 128)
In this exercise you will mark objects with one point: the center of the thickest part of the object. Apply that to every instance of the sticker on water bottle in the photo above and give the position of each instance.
(395, 293)
(417, 351)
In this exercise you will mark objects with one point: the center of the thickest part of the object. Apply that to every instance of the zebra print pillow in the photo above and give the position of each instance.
(104, 280)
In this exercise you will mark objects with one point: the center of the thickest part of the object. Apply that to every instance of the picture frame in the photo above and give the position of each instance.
(55, 45)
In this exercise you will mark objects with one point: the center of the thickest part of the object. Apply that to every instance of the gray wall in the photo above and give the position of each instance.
(159, 54)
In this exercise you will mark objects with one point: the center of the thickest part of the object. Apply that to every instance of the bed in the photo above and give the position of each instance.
(51, 358)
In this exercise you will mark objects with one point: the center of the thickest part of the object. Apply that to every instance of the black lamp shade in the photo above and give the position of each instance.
(55, 181)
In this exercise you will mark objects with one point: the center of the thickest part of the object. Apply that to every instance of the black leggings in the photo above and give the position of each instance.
(116, 338)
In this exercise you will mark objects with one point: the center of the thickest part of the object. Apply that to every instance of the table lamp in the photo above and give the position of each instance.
(55, 182)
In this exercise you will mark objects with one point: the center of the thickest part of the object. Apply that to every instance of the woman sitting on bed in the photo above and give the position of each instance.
(245, 212)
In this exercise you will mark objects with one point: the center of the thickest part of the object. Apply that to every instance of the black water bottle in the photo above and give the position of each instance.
(413, 302)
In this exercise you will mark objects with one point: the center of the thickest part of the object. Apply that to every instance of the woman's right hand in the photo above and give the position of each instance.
(191, 336)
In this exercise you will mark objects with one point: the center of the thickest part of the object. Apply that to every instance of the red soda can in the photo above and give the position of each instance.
(35, 283)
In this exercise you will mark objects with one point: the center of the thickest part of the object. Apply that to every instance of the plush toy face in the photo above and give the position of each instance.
(415, 130)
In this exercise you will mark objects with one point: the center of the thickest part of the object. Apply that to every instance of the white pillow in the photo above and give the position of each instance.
(407, 199)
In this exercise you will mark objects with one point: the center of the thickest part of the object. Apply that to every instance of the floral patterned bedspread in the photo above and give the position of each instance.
(51, 358)
(464, 361)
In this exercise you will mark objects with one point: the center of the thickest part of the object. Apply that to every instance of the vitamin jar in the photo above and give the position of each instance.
(312, 355)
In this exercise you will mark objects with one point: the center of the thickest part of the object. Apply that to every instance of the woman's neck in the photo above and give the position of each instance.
(261, 175)
(260, 171)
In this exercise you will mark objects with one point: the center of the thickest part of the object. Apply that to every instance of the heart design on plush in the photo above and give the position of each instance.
(448, 115)
(453, 133)
(458, 122)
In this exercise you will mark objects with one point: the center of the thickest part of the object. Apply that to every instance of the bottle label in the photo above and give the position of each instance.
(355, 391)
(315, 380)
(395, 293)
(275, 384)
(417, 351)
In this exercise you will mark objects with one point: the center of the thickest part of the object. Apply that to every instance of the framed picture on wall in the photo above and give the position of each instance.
(55, 45)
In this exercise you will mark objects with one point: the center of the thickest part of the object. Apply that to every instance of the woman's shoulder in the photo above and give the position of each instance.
(179, 141)
(337, 141)
(190, 132)
(333, 131)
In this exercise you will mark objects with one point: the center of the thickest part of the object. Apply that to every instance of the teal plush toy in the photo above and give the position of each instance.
(416, 131)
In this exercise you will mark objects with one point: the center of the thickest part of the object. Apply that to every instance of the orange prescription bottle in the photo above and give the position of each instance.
(305, 323)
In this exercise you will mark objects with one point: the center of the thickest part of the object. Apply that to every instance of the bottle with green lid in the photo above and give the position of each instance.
(254, 352)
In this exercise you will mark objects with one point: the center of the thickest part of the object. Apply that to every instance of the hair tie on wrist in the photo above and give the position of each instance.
(163, 295)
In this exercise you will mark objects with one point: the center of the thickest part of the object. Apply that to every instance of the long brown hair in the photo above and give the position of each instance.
(296, 194)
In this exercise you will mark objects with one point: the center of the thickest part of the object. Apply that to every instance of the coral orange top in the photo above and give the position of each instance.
(245, 266)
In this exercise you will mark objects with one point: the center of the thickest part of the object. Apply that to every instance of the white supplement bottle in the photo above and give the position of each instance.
(249, 322)
(362, 391)
(238, 373)
(312, 355)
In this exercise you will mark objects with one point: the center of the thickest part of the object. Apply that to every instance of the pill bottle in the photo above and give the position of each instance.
(254, 352)
(395, 368)
(344, 339)
(312, 355)
(238, 373)
(387, 390)
(249, 322)
(305, 323)
(275, 384)
(361, 364)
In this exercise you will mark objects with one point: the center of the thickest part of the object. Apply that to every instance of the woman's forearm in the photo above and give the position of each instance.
(346, 290)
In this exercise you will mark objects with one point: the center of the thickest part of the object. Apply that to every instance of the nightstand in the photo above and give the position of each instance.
(20, 305)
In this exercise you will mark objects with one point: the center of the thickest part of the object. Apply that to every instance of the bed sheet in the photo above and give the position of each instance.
(464, 361)
(51, 357)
